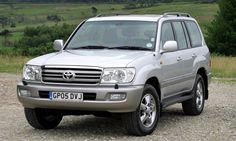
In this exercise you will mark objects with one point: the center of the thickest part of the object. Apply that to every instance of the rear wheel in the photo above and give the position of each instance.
(43, 118)
(144, 120)
(195, 105)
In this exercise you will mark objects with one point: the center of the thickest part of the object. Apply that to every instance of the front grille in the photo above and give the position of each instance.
(80, 75)
(86, 96)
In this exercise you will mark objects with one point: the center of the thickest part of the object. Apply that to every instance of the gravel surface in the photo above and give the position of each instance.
(216, 123)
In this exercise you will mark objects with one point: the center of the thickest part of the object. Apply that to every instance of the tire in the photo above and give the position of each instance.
(195, 105)
(43, 118)
(144, 120)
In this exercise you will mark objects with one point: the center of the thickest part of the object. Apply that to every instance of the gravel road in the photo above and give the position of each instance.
(216, 123)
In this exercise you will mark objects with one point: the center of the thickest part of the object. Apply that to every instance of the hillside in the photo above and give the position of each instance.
(23, 15)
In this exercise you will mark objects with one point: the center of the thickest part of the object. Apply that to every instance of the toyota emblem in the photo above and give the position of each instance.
(68, 75)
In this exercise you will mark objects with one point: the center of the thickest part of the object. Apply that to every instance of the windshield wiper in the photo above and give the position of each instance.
(106, 47)
(130, 48)
(90, 47)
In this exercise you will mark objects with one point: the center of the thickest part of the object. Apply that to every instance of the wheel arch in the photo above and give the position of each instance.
(155, 83)
(202, 71)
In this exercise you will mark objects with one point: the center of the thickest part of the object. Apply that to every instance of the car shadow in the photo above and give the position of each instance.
(91, 126)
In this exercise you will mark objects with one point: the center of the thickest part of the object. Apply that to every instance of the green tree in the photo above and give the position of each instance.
(5, 33)
(94, 10)
(54, 18)
(221, 37)
(39, 40)
(3, 21)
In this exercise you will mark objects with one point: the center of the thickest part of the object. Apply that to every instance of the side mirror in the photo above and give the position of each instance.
(169, 46)
(58, 44)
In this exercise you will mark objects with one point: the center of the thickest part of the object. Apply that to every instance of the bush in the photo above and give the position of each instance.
(94, 11)
(54, 18)
(221, 37)
(13, 25)
(11, 51)
(130, 6)
(208, 1)
(168, 1)
(39, 40)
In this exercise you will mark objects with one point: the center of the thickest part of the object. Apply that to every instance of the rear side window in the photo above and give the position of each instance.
(180, 35)
(166, 33)
(194, 33)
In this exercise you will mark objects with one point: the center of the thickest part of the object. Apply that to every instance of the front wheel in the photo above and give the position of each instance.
(195, 105)
(43, 118)
(144, 120)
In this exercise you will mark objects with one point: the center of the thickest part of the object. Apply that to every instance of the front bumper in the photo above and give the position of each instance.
(101, 103)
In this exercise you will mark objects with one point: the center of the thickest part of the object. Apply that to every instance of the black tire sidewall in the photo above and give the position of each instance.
(50, 124)
(199, 79)
(36, 118)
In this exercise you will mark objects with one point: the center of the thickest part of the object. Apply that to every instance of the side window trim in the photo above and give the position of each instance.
(174, 33)
(189, 44)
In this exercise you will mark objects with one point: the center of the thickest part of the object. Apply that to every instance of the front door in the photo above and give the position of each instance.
(170, 63)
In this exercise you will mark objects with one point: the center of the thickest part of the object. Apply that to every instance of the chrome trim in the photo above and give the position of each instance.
(78, 72)
(69, 66)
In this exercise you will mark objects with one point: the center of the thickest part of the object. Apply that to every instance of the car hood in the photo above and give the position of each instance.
(91, 57)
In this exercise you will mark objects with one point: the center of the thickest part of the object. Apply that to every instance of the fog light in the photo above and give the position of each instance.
(24, 93)
(117, 97)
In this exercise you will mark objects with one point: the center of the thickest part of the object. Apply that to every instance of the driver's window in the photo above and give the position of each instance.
(166, 33)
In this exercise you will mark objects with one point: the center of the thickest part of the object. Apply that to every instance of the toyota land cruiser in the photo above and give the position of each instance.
(131, 65)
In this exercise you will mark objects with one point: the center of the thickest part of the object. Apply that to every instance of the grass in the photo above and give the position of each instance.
(28, 14)
(31, 15)
(203, 13)
(224, 66)
(35, 15)
(224, 80)
(12, 64)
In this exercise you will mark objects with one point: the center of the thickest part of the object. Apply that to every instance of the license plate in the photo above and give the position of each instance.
(65, 96)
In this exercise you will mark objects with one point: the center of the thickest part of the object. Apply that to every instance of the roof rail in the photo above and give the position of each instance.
(111, 14)
(178, 14)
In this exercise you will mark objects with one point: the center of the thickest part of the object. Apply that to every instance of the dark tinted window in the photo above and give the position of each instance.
(194, 33)
(180, 36)
(166, 33)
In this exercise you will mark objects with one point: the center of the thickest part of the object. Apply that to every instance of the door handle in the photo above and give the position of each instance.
(179, 59)
(194, 55)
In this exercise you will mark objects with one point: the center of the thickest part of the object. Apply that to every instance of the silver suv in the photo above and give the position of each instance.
(131, 65)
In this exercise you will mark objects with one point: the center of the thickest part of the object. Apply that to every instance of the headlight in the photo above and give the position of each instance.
(118, 75)
(32, 72)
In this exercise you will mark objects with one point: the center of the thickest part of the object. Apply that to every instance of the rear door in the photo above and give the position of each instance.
(196, 49)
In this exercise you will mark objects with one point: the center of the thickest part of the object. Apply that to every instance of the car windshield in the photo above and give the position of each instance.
(131, 35)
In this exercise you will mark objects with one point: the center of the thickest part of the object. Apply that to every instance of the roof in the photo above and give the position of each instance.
(153, 18)
(145, 17)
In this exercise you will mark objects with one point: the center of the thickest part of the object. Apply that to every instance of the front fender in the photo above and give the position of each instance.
(146, 67)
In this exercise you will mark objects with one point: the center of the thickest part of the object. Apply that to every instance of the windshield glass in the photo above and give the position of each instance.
(114, 35)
